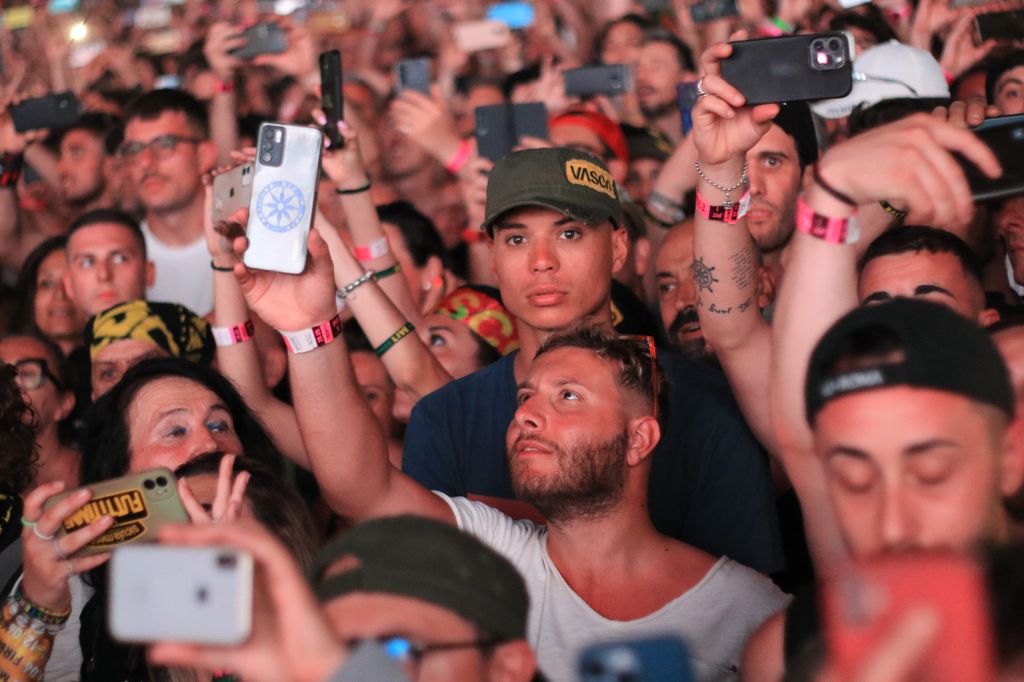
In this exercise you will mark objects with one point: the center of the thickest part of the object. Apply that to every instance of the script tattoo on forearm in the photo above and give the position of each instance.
(725, 311)
(703, 275)
(744, 267)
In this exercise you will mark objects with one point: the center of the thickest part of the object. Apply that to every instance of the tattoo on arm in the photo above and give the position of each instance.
(725, 311)
(744, 267)
(703, 275)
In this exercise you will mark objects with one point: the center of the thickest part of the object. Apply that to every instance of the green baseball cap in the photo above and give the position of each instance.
(569, 181)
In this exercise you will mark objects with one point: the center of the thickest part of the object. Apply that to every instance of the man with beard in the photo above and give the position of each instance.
(677, 293)
(664, 63)
(87, 166)
(166, 151)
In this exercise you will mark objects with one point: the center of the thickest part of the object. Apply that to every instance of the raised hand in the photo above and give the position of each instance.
(345, 166)
(229, 498)
(220, 40)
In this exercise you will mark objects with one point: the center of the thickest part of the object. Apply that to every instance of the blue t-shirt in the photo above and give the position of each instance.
(709, 486)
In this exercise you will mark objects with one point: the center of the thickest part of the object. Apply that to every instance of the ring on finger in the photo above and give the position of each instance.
(40, 535)
(60, 552)
(71, 568)
(701, 92)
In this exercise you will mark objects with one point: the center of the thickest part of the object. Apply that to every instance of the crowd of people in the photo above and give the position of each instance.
(674, 370)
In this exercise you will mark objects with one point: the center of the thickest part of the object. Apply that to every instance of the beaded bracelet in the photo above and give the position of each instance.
(51, 621)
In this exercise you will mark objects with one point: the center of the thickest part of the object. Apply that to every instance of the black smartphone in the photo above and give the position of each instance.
(611, 79)
(30, 175)
(330, 96)
(687, 93)
(1004, 135)
(52, 111)
(413, 74)
(1007, 25)
(499, 127)
(791, 68)
(263, 38)
(704, 11)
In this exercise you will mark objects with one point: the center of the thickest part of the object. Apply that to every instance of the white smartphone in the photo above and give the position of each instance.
(232, 190)
(476, 36)
(161, 593)
(283, 197)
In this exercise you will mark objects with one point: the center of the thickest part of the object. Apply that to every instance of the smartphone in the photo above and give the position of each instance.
(661, 659)
(515, 15)
(704, 11)
(263, 38)
(1008, 26)
(283, 197)
(1004, 135)
(413, 74)
(17, 18)
(612, 79)
(62, 6)
(330, 95)
(791, 68)
(476, 36)
(863, 602)
(499, 127)
(140, 505)
(164, 41)
(687, 93)
(180, 594)
(83, 53)
(232, 190)
(152, 17)
(52, 111)
(847, 4)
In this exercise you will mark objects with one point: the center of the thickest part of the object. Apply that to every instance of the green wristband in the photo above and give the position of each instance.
(402, 332)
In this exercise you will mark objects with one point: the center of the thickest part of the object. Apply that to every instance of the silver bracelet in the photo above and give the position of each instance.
(666, 207)
(349, 288)
(725, 190)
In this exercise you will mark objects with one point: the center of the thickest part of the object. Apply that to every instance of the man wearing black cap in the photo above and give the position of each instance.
(556, 223)
(437, 598)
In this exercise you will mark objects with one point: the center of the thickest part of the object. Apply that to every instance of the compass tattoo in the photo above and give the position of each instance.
(703, 275)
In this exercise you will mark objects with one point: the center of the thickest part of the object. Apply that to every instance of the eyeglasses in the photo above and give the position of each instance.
(162, 147)
(646, 343)
(411, 653)
(32, 372)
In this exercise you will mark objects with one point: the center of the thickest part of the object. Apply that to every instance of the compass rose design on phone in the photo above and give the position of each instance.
(280, 206)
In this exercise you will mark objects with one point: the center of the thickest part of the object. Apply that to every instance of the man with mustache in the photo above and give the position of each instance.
(166, 151)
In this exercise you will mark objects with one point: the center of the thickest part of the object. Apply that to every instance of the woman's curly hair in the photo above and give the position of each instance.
(18, 453)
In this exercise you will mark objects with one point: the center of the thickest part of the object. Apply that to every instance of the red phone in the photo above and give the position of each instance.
(863, 602)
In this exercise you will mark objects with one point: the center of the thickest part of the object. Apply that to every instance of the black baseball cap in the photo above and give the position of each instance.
(569, 181)
(432, 561)
(937, 348)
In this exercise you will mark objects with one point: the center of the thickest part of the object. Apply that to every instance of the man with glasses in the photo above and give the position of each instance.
(166, 151)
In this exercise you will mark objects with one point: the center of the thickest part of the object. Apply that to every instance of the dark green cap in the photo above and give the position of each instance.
(572, 182)
(429, 560)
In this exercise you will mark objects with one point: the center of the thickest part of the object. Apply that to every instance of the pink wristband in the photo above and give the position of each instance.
(374, 251)
(459, 159)
(832, 230)
(310, 339)
(229, 336)
(729, 213)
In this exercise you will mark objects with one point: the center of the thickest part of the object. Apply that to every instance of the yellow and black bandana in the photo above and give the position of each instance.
(173, 327)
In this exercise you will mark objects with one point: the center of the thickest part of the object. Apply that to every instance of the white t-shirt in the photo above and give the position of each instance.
(714, 618)
(183, 273)
(65, 662)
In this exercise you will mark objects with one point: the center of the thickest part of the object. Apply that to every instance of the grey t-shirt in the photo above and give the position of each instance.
(714, 618)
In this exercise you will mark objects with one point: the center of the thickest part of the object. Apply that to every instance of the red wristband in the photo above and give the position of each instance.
(310, 339)
(832, 230)
(225, 86)
(459, 159)
(473, 235)
(229, 336)
(729, 213)
(374, 251)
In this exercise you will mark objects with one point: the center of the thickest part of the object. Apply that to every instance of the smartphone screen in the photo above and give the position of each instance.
(413, 74)
(515, 15)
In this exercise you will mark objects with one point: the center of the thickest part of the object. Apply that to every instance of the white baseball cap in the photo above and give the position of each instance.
(888, 71)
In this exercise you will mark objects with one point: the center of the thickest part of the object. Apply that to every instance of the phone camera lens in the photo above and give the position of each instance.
(266, 158)
(834, 45)
(202, 594)
(148, 484)
(161, 481)
(818, 45)
(226, 561)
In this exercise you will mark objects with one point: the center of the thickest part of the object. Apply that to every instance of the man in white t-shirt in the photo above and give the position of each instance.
(166, 151)
(578, 450)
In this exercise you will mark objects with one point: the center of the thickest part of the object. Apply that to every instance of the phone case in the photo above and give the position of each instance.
(499, 127)
(232, 190)
(780, 69)
(283, 198)
(1004, 135)
(687, 93)
(710, 10)
(58, 110)
(613, 79)
(658, 658)
(413, 74)
(265, 38)
(180, 594)
(331, 96)
(1008, 26)
(476, 36)
(140, 504)
(862, 604)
